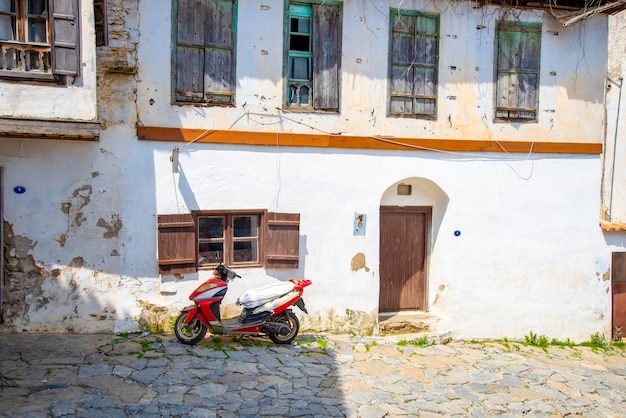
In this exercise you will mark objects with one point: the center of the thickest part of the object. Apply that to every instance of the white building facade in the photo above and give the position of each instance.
(428, 156)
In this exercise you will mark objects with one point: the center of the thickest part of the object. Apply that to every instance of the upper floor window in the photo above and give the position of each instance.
(413, 64)
(313, 56)
(38, 39)
(517, 71)
(204, 57)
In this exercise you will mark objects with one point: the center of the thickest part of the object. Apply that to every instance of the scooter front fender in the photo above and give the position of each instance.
(194, 312)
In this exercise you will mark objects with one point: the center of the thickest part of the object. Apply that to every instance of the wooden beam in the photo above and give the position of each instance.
(152, 133)
(49, 129)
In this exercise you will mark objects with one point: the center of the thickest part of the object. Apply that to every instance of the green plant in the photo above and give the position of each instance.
(402, 343)
(505, 343)
(217, 344)
(597, 341)
(322, 343)
(566, 343)
(369, 345)
(536, 340)
(422, 342)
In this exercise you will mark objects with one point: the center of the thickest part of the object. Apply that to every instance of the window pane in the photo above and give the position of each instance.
(304, 95)
(37, 30)
(37, 7)
(210, 253)
(7, 6)
(211, 227)
(7, 28)
(300, 25)
(300, 43)
(245, 251)
(245, 226)
(299, 68)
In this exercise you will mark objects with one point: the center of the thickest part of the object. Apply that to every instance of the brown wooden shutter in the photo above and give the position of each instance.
(189, 58)
(281, 240)
(326, 57)
(176, 244)
(65, 37)
(100, 17)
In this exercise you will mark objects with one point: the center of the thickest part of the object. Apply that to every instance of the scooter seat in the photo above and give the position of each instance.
(252, 298)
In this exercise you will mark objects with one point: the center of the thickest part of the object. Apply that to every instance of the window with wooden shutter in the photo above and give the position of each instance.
(39, 39)
(413, 65)
(204, 57)
(176, 244)
(313, 56)
(517, 50)
(244, 238)
(282, 240)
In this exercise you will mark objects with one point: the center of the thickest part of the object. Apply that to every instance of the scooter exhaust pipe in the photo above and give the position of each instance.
(274, 328)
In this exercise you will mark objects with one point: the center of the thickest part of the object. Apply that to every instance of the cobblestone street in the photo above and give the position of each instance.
(330, 375)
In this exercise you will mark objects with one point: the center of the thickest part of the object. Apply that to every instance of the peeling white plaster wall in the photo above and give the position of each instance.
(530, 255)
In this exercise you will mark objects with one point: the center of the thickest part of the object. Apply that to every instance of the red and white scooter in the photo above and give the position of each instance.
(266, 310)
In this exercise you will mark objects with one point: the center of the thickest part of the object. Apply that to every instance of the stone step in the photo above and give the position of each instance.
(412, 326)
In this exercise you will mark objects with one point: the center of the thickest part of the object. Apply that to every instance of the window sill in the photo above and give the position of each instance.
(302, 109)
(203, 104)
(27, 76)
(411, 116)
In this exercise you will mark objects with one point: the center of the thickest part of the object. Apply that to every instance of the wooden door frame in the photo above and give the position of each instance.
(428, 214)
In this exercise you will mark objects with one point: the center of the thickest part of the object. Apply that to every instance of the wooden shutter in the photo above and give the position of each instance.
(176, 244)
(281, 240)
(326, 57)
(65, 37)
(518, 54)
(100, 17)
(189, 57)
(219, 68)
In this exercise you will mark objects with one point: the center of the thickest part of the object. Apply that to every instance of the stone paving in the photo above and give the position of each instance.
(52, 375)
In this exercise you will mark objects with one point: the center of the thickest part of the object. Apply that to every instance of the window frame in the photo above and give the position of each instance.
(191, 51)
(504, 28)
(58, 57)
(418, 33)
(178, 240)
(229, 238)
(325, 63)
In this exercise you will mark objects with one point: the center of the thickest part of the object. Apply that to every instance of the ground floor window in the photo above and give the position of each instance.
(248, 238)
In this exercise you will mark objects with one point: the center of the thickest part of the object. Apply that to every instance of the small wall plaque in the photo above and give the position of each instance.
(359, 224)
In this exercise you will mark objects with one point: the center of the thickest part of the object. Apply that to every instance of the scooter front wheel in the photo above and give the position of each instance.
(291, 320)
(190, 333)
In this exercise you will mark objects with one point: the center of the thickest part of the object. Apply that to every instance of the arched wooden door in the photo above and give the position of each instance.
(404, 232)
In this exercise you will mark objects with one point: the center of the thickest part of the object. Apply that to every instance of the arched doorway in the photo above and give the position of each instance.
(411, 212)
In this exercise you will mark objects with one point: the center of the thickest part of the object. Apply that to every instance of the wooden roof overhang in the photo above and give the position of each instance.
(49, 129)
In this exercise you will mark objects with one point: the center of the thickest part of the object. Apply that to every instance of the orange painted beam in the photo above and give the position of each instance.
(152, 133)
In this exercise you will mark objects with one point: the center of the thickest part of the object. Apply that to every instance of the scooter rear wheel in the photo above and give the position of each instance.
(190, 333)
(291, 320)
